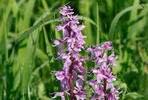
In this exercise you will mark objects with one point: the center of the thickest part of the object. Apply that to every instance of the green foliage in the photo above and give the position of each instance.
(27, 55)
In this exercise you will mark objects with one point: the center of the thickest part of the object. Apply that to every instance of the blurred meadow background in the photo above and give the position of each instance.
(27, 55)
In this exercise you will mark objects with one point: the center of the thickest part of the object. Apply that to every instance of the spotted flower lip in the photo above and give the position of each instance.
(61, 94)
(60, 75)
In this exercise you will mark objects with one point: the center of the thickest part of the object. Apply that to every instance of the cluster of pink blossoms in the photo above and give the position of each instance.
(103, 84)
(72, 75)
(73, 69)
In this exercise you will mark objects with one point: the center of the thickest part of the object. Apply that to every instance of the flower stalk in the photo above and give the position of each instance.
(71, 83)
(105, 89)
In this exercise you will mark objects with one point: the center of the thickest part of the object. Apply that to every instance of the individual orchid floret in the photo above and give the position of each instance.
(66, 10)
(61, 94)
(60, 75)
(80, 93)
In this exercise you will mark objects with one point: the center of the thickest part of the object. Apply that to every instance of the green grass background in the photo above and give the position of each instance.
(27, 55)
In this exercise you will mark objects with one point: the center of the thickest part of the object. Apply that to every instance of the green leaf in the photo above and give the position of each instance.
(133, 95)
(48, 45)
(29, 60)
(33, 28)
(38, 69)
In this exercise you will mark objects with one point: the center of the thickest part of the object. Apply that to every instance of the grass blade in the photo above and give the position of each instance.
(97, 40)
(119, 15)
(29, 60)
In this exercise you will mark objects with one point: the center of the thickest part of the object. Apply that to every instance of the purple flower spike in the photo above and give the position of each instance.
(104, 76)
(73, 69)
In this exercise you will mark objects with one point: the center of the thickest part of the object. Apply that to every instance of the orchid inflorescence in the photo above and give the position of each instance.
(73, 75)
(104, 78)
